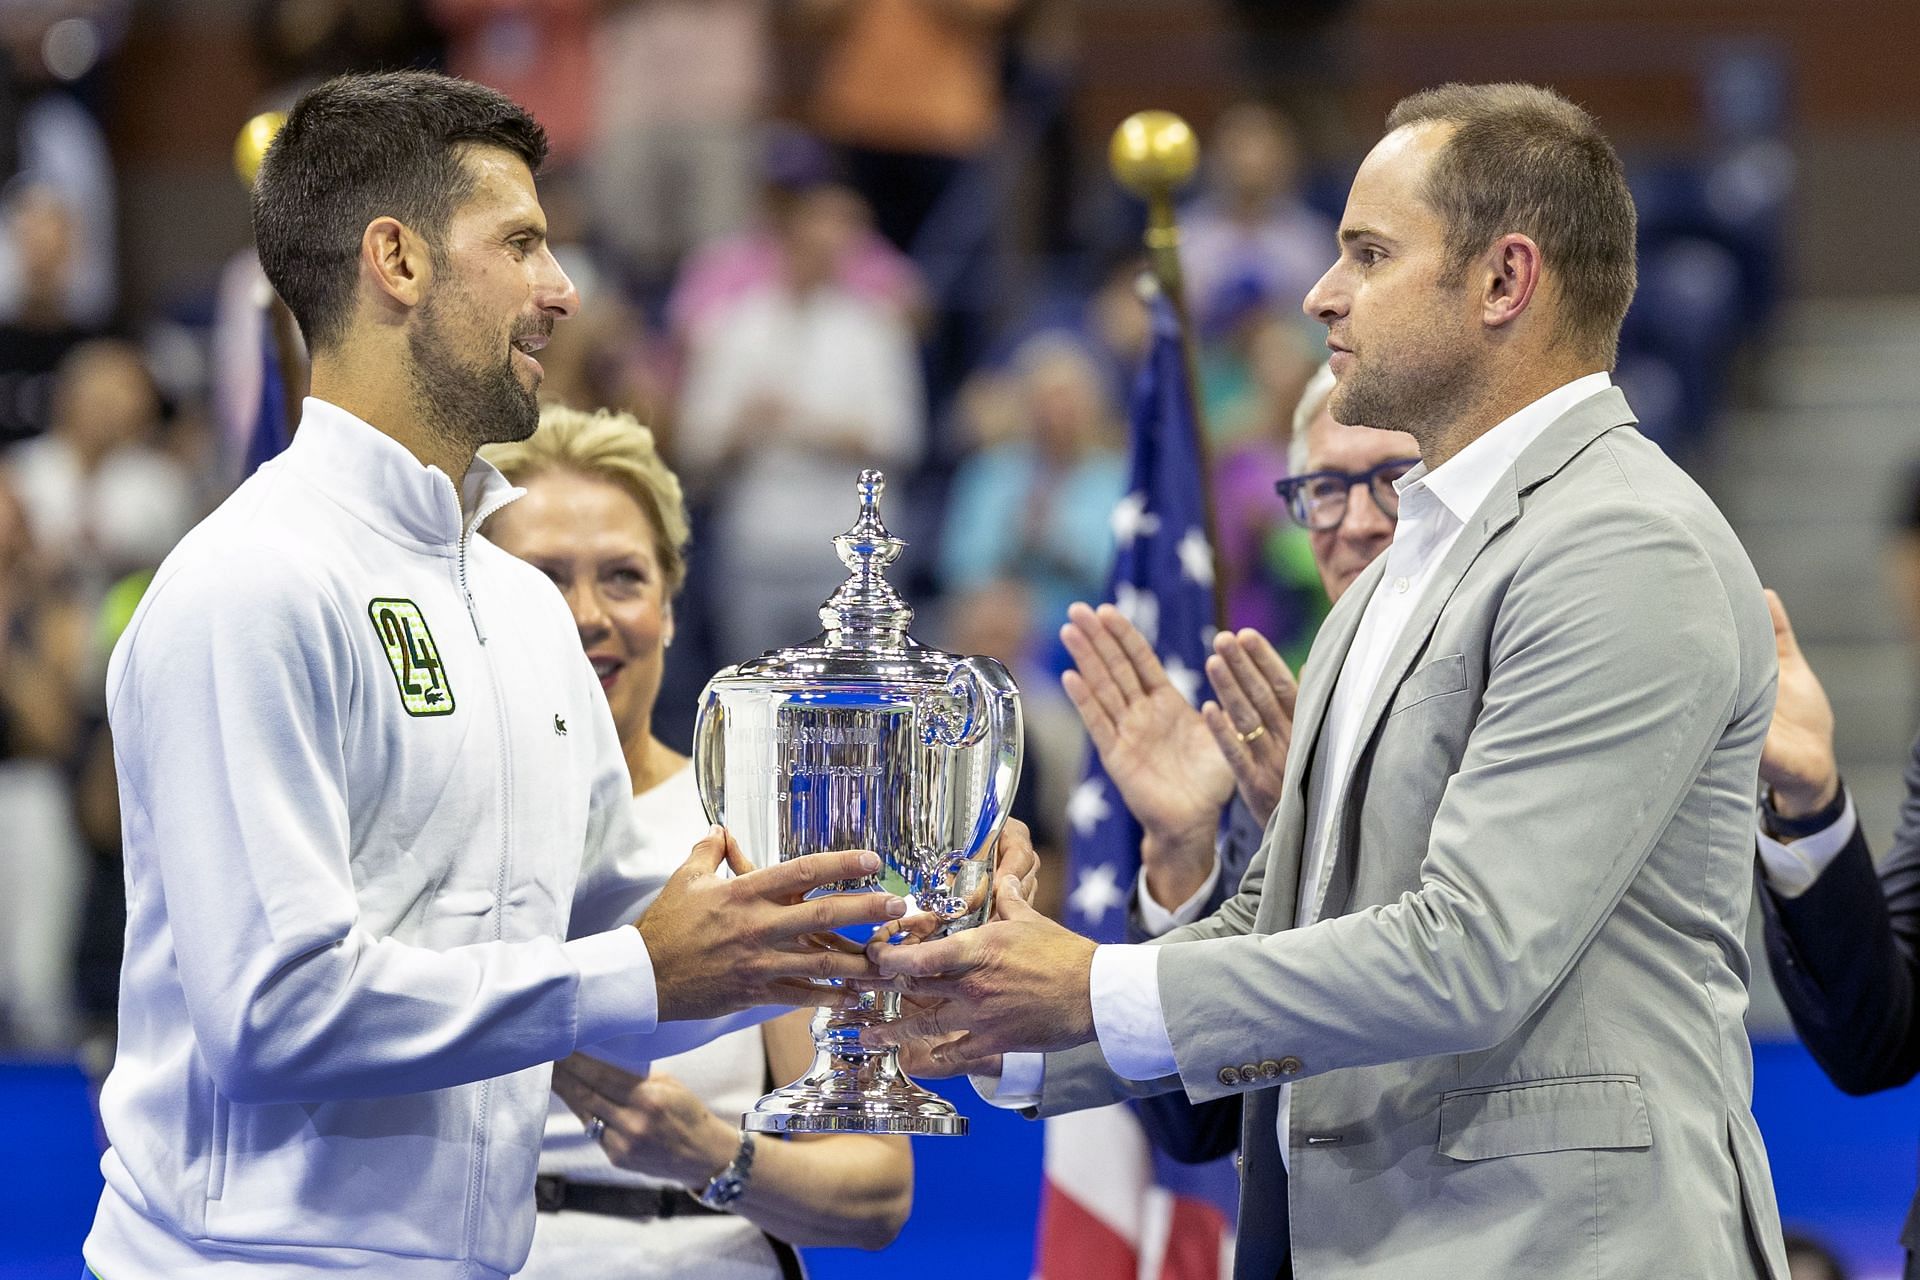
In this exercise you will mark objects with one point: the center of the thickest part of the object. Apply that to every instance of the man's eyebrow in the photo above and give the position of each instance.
(1349, 234)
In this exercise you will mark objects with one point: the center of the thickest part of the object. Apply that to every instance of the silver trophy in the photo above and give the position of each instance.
(865, 739)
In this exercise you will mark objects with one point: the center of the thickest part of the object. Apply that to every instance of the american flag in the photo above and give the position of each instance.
(269, 433)
(1111, 1207)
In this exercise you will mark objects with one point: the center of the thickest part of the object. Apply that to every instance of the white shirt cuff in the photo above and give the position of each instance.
(1792, 868)
(1127, 1017)
(616, 995)
(1018, 1085)
(1157, 919)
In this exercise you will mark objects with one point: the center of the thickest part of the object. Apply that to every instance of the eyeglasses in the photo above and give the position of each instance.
(1318, 499)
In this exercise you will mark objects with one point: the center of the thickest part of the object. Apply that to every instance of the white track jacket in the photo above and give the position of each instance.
(379, 872)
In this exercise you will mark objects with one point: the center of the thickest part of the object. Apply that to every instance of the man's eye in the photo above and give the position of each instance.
(1326, 487)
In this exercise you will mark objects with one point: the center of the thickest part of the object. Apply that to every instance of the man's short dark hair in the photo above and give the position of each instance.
(360, 147)
(1525, 159)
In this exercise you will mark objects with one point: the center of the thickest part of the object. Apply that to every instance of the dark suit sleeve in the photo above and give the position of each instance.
(1194, 1133)
(1846, 954)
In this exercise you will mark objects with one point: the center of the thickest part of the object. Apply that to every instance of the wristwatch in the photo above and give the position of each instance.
(1787, 830)
(728, 1185)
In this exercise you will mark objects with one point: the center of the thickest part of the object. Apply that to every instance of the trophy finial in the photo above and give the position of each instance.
(866, 610)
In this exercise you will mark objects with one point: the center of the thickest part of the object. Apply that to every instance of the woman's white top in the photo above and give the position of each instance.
(728, 1074)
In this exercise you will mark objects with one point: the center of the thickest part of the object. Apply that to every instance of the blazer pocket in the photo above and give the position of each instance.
(1436, 679)
(1575, 1113)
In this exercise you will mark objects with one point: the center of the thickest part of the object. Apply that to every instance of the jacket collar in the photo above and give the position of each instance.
(380, 482)
(1549, 452)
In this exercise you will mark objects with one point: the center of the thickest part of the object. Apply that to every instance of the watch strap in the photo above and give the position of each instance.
(1786, 830)
(728, 1185)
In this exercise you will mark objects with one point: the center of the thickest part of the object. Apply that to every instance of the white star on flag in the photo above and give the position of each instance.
(1131, 519)
(1141, 608)
(1097, 893)
(1196, 557)
(1088, 808)
(1183, 678)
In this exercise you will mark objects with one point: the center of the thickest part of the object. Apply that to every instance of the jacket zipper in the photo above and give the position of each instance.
(484, 1103)
(466, 539)
(483, 1117)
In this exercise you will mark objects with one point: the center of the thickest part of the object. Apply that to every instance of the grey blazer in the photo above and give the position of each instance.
(1514, 1028)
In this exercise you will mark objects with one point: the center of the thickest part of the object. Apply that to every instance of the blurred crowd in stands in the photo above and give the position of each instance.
(809, 236)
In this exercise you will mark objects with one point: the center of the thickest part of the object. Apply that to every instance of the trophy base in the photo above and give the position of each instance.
(903, 1108)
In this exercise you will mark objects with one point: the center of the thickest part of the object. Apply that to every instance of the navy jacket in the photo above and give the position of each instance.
(1846, 954)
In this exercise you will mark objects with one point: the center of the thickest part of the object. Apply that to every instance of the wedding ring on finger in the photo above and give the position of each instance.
(595, 1128)
(1252, 734)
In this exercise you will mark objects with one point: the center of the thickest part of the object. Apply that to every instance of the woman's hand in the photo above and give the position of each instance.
(654, 1123)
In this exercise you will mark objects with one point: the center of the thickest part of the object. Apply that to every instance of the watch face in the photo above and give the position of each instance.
(728, 1185)
(721, 1192)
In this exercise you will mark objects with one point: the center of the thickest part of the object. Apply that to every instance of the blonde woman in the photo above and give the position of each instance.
(632, 1166)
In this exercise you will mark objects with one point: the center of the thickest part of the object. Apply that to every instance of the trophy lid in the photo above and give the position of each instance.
(865, 619)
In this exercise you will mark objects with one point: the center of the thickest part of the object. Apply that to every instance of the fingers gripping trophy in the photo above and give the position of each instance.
(865, 739)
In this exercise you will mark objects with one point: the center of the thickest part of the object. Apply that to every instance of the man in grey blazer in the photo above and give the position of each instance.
(1482, 986)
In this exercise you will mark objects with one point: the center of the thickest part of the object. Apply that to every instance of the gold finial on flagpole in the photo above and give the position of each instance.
(1153, 154)
(251, 146)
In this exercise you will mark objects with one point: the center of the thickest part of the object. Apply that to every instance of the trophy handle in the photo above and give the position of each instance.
(992, 704)
(709, 749)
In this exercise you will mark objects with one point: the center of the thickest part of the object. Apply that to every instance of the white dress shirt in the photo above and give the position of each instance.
(1435, 506)
(1792, 866)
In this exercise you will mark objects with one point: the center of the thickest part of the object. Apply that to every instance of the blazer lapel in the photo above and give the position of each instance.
(1286, 835)
(1572, 432)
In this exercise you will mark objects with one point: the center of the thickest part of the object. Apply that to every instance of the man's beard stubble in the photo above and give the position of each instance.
(464, 404)
(1422, 397)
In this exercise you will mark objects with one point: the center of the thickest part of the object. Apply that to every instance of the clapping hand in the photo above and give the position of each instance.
(1153, 744)
(1797, 760)
(1252, 724)
(1176, 768)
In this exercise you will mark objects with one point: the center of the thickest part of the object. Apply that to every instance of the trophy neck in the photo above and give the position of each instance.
(866, 612)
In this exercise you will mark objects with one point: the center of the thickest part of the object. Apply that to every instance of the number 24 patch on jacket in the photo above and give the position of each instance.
(414, 657)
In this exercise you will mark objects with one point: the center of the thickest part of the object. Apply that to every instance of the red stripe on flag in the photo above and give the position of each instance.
(1193, 1241)
(1075, 1245)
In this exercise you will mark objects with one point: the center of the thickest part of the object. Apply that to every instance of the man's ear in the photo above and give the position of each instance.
(395, 257)
(1512, 274)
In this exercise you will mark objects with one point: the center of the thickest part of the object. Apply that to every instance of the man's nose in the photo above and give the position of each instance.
(554, 291)
(1324, 302)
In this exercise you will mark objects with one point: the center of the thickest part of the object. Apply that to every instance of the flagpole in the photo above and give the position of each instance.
(1153, 154)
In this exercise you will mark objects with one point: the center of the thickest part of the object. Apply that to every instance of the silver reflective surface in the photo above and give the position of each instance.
(865, 739)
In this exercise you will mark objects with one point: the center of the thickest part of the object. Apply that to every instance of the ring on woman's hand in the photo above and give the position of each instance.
(1252, 733)
(595, 1128)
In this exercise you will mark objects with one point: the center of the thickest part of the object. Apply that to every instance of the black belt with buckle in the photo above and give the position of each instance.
(552, 1193)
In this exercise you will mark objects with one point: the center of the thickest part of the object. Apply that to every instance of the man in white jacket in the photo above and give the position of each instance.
(375, 809)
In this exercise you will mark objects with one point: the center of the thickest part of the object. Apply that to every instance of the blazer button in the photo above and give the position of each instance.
(1269, 1068)
(1229, 1075)
(1289, 1066)
(1249, 1071)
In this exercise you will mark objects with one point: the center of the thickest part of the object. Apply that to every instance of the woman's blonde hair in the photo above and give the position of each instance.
(614, 447)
